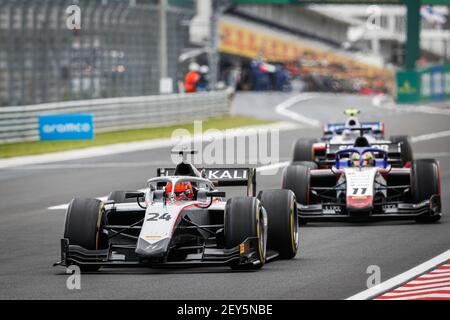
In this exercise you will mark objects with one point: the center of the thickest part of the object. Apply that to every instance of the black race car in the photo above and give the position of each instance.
(181, 219)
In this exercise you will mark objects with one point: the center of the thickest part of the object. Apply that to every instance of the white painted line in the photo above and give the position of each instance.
(432, 275)
(428, 281)
(414, 291)
(64, 206)
(273, 166)
(268, 167)
(383, 103)
(425, 286)
(432, 155)
(431, 295)
(431, 136)
(138, 146)
(283, 109)
(400, 279)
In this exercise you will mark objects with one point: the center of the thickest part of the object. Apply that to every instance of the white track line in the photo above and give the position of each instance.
(400, 279)
(379, 101)
(382, 102)
(423, 296)
(283, 109)
(415, 292)
(432, 155)
(139, 145)
(431, 136)
(425, 286)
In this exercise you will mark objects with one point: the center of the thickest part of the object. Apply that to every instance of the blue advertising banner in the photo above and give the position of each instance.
(66, 127)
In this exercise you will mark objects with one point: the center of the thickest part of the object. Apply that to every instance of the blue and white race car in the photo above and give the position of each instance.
(352, 133)
(361, 184)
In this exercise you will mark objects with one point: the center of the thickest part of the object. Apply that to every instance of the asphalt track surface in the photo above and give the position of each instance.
(331, 264)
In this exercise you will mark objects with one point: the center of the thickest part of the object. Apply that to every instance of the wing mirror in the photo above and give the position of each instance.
(220, 194)
(134, 194)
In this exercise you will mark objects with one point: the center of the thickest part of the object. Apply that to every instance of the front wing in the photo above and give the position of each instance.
(242, 254)
(386, 211)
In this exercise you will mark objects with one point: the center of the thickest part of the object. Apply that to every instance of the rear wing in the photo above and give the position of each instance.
(223, 177)
(393, 151)
(391, 148)
(339, 127)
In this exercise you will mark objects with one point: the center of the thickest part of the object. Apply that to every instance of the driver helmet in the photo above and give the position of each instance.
(368, 159)
(355, 159)
(182, 190)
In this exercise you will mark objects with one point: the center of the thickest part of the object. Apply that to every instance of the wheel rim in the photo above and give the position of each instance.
(260, 232)
(98, 227)
(294, 226)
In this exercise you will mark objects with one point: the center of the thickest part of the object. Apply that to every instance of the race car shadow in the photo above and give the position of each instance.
(357, 224)
(164, 271)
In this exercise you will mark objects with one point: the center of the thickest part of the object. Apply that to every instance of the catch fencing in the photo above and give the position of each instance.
(114, 53)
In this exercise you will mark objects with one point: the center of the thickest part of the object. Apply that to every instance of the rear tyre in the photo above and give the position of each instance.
(282, 229)
(311, 165)
(425, 183)
(84, 221)
(244, 218)
(296, 178)
(406, 148)
(119, 197)
(303, 150)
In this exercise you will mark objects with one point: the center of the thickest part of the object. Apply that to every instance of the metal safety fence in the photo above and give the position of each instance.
(20, 123)
(114, 52)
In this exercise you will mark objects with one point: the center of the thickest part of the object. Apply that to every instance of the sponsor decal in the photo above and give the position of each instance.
(389, 208)
(66, 127)
(234, 174)
(217, 174)
(331, 209)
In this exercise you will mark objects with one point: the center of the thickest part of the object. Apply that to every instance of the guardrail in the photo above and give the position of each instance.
(20, 123)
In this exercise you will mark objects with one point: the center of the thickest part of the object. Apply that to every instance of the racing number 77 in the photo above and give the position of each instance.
(359, 191)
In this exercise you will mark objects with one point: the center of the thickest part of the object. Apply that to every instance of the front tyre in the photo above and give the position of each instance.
(282, 233)
(296, 178)
(425, 184)
(84, 221)
(244, 218)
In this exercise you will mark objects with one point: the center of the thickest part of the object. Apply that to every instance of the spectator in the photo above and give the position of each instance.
(202, 83)
(191, 79)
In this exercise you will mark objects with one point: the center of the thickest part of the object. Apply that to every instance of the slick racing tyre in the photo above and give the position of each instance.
(425, 183)
(296, 179)
(119, 197)
(303, 150)
(244, 218)
(311, 165)
(282, 228)
(406, 148)
(83, 227)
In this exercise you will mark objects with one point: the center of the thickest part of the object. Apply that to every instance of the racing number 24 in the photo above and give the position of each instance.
(157, 216)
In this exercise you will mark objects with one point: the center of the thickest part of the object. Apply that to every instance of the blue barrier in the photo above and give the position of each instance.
(66, 127)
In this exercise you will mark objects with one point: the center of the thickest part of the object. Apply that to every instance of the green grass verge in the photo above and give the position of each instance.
(39, 147)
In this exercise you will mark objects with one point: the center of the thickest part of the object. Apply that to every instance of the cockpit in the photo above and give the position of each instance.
(179, 188)
(361, 158)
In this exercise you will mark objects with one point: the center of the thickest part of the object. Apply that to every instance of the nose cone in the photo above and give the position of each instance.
(359, 202)
(157, 249)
